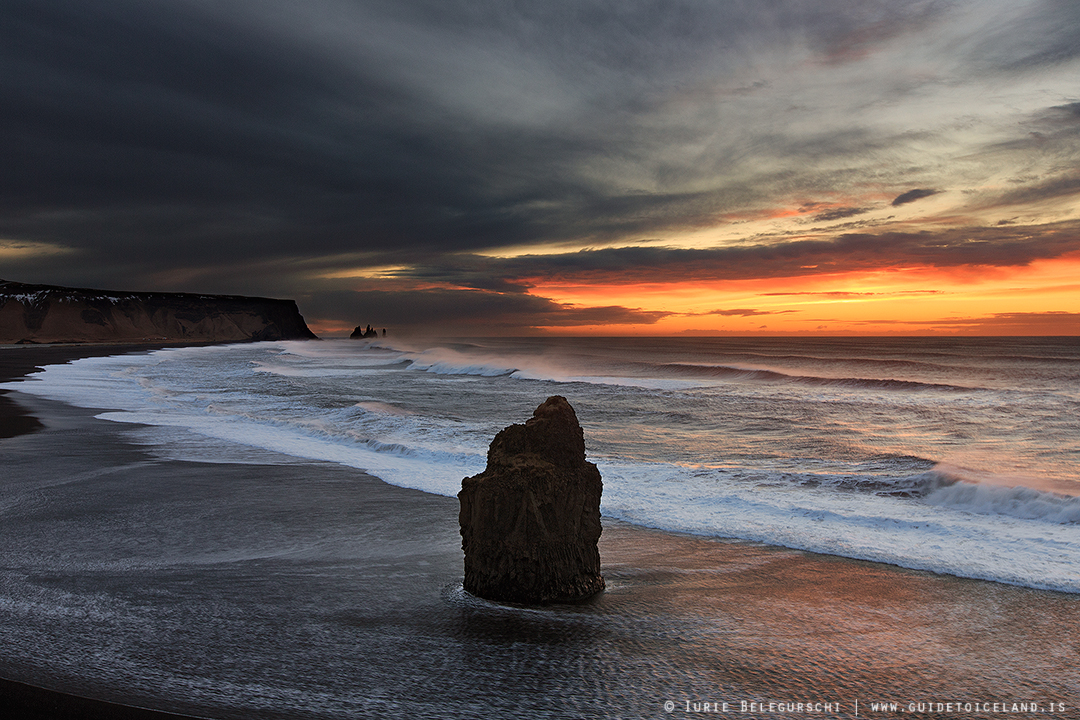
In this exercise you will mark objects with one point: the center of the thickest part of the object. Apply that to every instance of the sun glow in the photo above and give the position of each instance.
(12, 250)
(368, 273)
(905, 300)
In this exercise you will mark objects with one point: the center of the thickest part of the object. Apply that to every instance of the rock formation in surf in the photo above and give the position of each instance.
(48, 313)
(361, 333)
(530, 522)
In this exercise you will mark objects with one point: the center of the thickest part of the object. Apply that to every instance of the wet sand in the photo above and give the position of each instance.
(21, 700)
(294, 589)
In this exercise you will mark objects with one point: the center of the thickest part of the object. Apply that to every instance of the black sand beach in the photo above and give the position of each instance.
(292, 589)
(18, 361)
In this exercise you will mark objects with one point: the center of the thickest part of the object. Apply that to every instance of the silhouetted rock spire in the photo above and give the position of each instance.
(531, 521)
(362, 333)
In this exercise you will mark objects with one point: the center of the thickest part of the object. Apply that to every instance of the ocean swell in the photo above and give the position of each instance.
(832, 473)
(751, 374)
(1017, 502)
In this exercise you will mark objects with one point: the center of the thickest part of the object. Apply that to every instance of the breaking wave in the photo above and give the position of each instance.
(774, 376)
(685, 442)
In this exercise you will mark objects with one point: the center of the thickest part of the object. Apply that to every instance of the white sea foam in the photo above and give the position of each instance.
(721, 461)
(443, 361)
(857, 525)
(431, 471)
(1018, 502)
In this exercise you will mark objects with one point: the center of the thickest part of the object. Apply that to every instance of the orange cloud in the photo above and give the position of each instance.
(1034, 299)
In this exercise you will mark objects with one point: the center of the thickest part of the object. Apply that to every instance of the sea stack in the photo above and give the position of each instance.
(361, 333)
(530, 522)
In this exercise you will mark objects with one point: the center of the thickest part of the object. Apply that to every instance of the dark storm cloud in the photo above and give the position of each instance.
(1069, 113)
(912, 195)
(232, 130)
(466, 312)
(999, 246)
(151, 127)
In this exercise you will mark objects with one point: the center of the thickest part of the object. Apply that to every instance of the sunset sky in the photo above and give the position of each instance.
(495, 167)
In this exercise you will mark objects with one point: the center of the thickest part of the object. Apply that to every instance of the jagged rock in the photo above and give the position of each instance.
(362, 333)
(49, 313)
(530, 522)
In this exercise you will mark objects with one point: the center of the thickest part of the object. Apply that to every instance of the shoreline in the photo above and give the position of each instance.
(18, 361)
(702, 618)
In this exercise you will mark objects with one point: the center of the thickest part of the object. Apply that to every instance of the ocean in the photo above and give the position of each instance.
(959, 456)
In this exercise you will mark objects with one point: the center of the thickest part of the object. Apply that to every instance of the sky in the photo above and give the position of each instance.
(492, 167)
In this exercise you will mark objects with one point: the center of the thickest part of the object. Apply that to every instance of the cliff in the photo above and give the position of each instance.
(47, 313)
